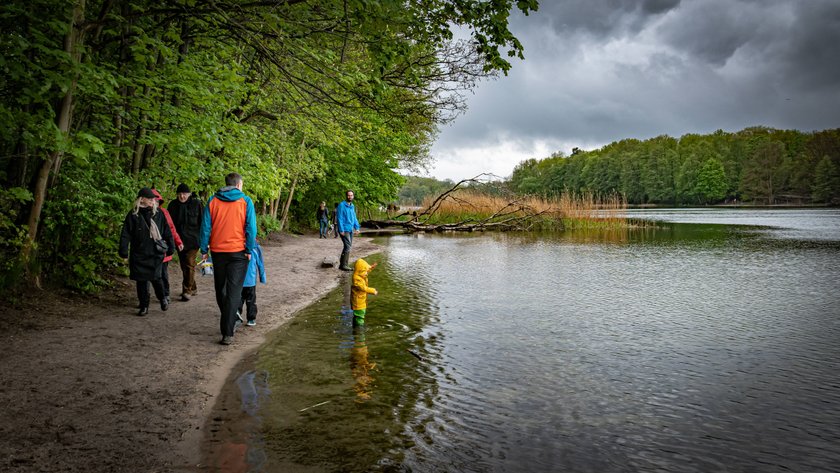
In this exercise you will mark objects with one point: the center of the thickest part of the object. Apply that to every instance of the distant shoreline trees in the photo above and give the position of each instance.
(757, 165)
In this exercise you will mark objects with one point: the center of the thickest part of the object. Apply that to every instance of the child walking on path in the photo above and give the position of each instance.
(360, 290)
(249, 287)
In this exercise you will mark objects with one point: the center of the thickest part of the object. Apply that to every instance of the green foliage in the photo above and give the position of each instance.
(826, 187)
(711, 181)
(763, 174)
(12, 235)
(417, 189)
(266, 224)
(162, 94)
(85, 219)
(756, 164)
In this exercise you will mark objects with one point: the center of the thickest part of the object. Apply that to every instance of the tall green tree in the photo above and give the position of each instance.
(711, 182)
(762, 175)
(826, 185)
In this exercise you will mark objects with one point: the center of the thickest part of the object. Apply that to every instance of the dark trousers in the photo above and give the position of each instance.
(323, 226)
(249, 300)
(228, 275)
(164, 278)
(347, 240)
(186, 259)
(143, 291)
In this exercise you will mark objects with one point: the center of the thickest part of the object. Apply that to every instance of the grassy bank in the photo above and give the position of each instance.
(567, 211)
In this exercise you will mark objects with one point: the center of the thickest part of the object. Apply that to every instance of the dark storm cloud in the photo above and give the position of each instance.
(712, 31)
(810, 55)
(659, 6)
(597, 71)
(604, 18)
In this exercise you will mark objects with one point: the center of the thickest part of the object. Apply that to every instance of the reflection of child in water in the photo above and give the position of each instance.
(361, 368)
(360, 290)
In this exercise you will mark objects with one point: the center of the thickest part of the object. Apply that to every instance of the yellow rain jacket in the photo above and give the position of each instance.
(360, 288)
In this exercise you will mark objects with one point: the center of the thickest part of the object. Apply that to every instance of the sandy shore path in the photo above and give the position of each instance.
(87, 386)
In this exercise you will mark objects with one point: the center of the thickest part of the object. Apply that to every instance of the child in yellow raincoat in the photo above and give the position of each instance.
(360, 290)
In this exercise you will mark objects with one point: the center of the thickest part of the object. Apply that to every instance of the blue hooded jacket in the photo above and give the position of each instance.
(254, 266)
(345, 216)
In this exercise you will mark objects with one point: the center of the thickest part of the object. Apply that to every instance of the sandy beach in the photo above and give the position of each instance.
(87, 386)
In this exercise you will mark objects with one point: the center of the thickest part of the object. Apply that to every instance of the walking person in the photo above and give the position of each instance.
(323, 216)
(229, 231)
(256, 270)
(187, 212)
(164, 272)
(346, 224)
(140, 241)
(334, 222)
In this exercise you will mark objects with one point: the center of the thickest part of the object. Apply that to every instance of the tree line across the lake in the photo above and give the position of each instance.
(755, 165)
(304, 99)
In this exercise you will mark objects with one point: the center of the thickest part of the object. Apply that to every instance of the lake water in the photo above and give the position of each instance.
(691, 345)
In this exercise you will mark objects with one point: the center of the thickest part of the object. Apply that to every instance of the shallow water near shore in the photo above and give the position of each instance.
(689, 345)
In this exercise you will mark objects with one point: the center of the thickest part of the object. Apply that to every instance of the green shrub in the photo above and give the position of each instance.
(12, 236)
(266, 224)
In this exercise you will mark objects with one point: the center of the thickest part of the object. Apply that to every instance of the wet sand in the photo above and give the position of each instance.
(87, 386)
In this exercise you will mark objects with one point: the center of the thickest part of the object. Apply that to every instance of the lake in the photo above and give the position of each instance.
(707, 341)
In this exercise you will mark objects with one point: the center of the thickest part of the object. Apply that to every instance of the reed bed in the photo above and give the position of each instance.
(567, 211)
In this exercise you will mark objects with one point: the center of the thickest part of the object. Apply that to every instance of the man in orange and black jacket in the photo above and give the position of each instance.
(229, 232)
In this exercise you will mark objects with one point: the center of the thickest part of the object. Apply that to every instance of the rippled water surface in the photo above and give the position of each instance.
(685, 347)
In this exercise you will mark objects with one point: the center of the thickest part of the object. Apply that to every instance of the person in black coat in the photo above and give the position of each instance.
(186, 212)
(145, 255)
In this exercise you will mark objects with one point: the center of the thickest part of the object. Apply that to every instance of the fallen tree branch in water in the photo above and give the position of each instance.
(509, 215)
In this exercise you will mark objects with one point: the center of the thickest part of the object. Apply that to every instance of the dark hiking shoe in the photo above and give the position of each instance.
(143, 311)
(251, 323)
(345, 268)
(226, 340)
(164, 304)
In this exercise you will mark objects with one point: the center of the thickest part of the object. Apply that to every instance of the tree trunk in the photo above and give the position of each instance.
(275, 203)
(138, 146)
(72, 46)
(183, 49)
(288, 203)
(142, 152)
(125, 92)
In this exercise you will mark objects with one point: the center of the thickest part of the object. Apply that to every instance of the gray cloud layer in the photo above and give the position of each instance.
(602, 70)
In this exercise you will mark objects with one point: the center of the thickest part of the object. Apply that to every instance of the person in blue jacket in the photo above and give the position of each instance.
(348, 224)
(249, 287)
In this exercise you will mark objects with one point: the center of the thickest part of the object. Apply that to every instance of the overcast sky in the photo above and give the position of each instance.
(597, 71)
